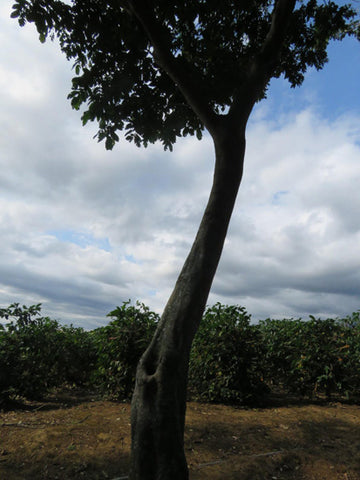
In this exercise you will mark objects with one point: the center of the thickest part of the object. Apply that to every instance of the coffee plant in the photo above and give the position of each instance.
(119, 347)
(37, 353)
(232, 360)
(225, 362)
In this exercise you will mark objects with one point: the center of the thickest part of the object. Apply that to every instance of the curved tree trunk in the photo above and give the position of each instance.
(159, 400)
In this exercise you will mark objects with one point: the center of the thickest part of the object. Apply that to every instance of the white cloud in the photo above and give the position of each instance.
(83, 229)
(306, 243)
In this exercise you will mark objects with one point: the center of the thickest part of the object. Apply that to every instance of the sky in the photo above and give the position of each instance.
(82, 230)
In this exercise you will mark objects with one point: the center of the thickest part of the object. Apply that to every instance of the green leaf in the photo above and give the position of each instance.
(109, 143)
(15, 14)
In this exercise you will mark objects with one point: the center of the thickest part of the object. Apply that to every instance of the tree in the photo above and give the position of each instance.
(158, 70)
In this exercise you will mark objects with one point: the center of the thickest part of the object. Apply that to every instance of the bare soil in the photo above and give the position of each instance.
(72, 437)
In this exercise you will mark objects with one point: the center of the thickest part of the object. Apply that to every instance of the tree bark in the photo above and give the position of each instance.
(159, 400)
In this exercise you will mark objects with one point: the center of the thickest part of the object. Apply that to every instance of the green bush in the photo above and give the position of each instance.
(76, 356)
(305, 357)
(28, 348)
(349, 354)
(9, 359)
(36, 353)
(278, 341)
(226, 358)
(231, 361)
(120, 346)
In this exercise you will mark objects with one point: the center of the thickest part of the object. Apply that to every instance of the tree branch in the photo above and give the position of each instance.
(262, 66)
(179, 70)
(276, 35)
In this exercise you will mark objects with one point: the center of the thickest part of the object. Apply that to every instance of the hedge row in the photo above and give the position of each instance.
(236, 362)
(37, 353)
(232, 360)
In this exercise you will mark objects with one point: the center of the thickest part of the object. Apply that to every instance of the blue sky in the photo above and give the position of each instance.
(333, 91)
(81, 239)
(83, 230)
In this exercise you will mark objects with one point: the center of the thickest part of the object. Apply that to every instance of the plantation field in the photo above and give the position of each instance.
(70, 437)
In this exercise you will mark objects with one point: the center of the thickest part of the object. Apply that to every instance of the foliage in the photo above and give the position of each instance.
(134, 59)
(349, 353)
(28, 348)
(310, 357)
(76, 356)
(37, 353)
(232, 360)
(225, 363)
(119, 346)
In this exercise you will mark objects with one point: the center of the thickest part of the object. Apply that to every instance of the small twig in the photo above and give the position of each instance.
(208, 464)
(216, 462)
(267, 454)
(36, 426)
(42, 425)
(23, 425)
(80, 421)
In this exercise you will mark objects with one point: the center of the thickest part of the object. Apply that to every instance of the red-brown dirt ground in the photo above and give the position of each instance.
(72, 437)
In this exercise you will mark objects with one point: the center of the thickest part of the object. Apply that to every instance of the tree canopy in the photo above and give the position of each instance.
(136, 75)
(158, 70)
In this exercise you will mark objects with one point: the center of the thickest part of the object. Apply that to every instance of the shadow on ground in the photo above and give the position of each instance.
(91, 440)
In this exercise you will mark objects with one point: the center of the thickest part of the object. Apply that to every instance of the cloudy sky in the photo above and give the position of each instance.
(83, 230)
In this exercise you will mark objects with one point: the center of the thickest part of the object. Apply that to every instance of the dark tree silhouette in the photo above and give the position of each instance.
(162, 69)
